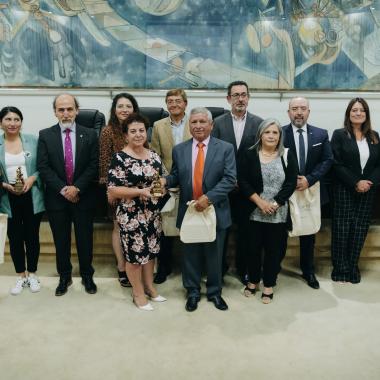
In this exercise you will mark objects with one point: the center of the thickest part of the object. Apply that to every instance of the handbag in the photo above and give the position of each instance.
(169, 214)
(305, 211)
(198, 226)
(3, 235)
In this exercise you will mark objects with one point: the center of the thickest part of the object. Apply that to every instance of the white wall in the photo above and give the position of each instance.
(327, 109)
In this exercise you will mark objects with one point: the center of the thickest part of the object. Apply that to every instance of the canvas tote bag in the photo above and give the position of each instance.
(305, 211)
(169, 214)
(3, 235)
(198, 227)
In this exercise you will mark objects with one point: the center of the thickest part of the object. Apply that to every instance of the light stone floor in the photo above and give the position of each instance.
(331, 333)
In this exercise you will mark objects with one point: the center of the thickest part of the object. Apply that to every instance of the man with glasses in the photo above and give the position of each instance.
(68, 159)
(239, 128)
(166, 134)
(313, 151)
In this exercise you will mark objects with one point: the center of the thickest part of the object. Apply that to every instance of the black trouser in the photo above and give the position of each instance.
(23, 233)
(165, 256)
(60, 224)
(267, 237)
(241, 220)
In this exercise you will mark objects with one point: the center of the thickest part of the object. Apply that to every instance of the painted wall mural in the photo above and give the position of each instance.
(271, 44)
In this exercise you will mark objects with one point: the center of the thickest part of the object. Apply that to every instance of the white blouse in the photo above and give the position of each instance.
(363, 152)
(12, 162)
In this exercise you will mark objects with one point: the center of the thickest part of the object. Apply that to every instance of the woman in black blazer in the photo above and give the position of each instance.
(356, 169)
(267, 177)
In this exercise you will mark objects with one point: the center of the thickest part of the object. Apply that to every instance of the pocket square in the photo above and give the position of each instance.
(317, 144)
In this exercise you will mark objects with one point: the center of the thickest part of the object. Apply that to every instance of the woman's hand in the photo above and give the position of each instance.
(28, 183)
(145, 194)
(111, 196)
(363, 186)
(266, 207)
(10, 188)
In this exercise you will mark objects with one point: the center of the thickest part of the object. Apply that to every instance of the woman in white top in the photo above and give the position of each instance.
(356, 169)
(24, 207)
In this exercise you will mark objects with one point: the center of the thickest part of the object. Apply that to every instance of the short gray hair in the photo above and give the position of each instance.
(203, 111)
(265, 124)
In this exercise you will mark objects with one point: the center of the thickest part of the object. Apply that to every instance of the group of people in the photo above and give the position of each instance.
(244, 166)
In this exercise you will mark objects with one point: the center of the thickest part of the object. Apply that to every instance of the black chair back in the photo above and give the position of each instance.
(153, 114)
(91, 118)
(217, 111)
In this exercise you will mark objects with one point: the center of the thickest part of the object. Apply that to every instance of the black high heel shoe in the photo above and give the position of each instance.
(266, 298)
(123, 280)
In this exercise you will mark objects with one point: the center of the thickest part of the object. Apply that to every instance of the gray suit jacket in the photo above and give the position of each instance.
(224, 130)
(219, 178)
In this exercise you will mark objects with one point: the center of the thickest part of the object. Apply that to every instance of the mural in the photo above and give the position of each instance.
(271, 44)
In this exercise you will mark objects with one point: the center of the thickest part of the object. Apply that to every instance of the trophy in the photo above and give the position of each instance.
(19, 184)
(156, 189)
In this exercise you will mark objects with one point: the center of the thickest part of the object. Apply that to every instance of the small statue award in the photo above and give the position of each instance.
(156, 189)
(19, 185)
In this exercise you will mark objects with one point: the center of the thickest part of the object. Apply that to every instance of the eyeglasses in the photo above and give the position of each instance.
(237, 95)
(174, 101)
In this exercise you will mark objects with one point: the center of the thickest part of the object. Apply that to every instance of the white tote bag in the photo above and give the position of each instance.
(3, 235)
(169, 214)
(198, 226)
(305, 211)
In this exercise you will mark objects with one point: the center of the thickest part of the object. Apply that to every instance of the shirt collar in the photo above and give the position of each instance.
(295, 129)
(176, 124)
(72, 127)
(205, 141)
(234, 117)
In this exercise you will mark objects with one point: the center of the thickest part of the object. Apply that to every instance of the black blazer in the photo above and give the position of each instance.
(51, 165)
(347, 169)
(251, 181)
(224, 130)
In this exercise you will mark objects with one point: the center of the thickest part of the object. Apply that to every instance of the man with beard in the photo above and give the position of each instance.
(313, 150)
(67, 159)
(238, 128)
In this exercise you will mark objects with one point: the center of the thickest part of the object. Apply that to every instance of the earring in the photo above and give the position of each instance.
(126, 141)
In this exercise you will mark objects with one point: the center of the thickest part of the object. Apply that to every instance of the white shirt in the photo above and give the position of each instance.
(12, 162)
(239, 124)
(297, 142)
(178, 129)
(363, 152)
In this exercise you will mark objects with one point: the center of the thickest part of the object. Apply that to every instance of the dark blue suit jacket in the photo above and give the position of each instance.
(219, 177)
(319, 154)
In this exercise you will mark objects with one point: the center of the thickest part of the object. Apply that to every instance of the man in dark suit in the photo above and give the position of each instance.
(204, 168)
(67, 160)
(313, 150)
(239, 128)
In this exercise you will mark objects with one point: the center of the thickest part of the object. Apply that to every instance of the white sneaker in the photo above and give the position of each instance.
(21, 283)
(34, 283)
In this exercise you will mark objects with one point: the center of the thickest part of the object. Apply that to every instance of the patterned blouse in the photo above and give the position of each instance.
(111, 141)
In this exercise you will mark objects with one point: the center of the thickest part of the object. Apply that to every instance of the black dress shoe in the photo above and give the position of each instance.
(218, 302)
(64, 283)
(192, 303)
(311, 280)
(161, 276)
(89, 285)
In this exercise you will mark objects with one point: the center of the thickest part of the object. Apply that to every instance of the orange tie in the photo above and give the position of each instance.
(198, 172)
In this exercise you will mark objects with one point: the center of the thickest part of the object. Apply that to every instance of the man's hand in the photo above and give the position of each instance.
(302, 183)
(71, 193)
(201, 203)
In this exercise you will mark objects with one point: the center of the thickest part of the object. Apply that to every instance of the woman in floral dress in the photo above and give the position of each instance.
(130, 179)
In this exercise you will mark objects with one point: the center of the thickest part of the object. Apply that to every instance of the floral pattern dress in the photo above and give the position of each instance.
(139, 221)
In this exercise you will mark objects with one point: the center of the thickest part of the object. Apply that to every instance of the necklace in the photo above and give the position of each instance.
(268, 154)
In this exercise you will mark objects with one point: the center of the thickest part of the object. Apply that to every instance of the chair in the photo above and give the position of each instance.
(91, 118)
(217, 111)
(153, 114)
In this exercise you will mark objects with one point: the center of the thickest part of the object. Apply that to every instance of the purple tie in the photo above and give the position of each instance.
(69, 165)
